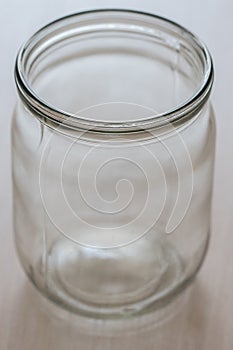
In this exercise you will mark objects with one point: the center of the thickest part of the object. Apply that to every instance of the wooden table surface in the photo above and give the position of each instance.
(205, 320)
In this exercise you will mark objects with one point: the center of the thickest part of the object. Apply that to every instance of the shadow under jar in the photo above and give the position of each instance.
(113, 148)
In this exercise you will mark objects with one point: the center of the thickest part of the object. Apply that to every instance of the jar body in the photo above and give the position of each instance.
(88, 238)
(112, 224)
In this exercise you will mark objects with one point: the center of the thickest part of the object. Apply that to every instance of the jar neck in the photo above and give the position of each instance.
(189, 57)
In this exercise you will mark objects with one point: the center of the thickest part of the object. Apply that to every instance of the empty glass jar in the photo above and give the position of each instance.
(113, 148)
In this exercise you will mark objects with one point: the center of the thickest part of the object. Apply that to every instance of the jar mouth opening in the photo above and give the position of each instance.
(155, 28)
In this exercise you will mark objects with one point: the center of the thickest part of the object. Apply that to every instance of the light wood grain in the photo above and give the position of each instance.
(206, 320)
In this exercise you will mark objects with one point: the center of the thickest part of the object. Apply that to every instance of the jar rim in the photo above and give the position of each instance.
(45, 111)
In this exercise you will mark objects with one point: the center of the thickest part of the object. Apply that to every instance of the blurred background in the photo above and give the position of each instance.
(206, 321)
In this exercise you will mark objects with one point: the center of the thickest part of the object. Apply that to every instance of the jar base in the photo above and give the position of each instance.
(112, 283)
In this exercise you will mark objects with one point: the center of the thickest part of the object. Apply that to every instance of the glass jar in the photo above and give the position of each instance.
(113, 148)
